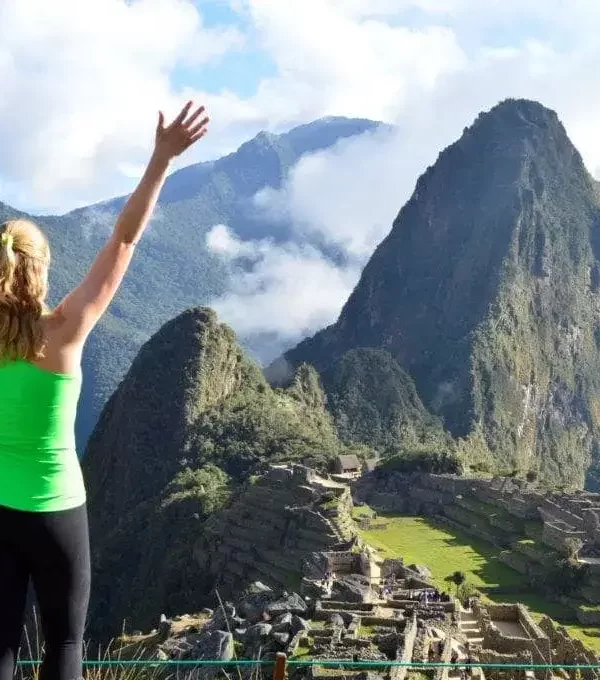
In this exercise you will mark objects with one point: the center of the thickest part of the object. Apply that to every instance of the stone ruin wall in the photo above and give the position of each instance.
(502, 512)
(410, 635)
(568, 650)
(535, 644)
(271, 526)
(557, 535)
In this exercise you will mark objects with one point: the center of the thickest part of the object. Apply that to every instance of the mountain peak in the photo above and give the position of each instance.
(189, 365)
(528, 109)
(489, 272)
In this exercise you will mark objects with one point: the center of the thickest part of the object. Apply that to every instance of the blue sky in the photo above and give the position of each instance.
(240, 71)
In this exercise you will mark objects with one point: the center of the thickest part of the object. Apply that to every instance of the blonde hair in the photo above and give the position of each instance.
(24, 261)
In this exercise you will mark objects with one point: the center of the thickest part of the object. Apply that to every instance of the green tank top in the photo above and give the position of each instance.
(39, 468)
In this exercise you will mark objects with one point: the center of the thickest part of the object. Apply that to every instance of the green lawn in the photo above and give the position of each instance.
(444, 550)
(441, 549)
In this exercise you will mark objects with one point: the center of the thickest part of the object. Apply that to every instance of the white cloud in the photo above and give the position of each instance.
(290, 290)
(346, 196)
(332, 62)
(81, 85)
(96, 221)
(221, 241)
(81, 82)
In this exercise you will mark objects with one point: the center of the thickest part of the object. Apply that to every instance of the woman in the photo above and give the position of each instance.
(43, 519)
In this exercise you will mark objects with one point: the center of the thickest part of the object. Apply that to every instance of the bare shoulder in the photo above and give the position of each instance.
(61, 355)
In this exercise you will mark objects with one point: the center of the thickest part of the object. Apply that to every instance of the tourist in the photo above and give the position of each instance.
(469, 661)
(43, 517)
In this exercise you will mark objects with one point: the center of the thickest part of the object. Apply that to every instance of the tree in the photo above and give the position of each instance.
(466, 590)
(458, 578)
(565, 577)
(531, 476)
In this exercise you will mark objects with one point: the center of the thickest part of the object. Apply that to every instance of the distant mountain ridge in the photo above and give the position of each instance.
(173, 269)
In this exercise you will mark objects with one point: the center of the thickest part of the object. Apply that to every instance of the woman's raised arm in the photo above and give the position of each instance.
(81, 309)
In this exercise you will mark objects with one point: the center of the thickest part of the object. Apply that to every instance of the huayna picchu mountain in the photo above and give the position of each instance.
(193, 418)
(487, 293)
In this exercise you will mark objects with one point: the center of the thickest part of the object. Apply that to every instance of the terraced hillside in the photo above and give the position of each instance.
(550, 539)
(272, 525)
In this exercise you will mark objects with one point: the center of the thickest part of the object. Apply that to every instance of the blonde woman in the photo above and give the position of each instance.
(43, 518)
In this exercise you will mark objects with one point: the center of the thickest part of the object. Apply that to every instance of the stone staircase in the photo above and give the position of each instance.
(470, 627)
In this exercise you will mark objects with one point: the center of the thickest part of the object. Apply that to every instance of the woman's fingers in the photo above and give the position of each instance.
(200, 110)
(183, 131)
(161, 122)
(198, 135)
(194, 130)
(181, 117)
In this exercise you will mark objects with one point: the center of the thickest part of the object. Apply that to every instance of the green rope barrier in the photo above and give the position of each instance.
(327, 663)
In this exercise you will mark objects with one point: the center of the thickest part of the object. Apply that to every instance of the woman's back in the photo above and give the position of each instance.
(38, 459)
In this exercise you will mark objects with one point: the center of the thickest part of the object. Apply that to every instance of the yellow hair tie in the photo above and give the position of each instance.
(7, 240)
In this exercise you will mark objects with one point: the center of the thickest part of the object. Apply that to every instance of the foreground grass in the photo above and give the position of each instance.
(444, 550)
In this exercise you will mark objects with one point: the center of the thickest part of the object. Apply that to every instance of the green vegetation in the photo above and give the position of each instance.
(466, 590)
(445, 550)
(359, 511)
(304, 648)
(208, 486)
(257, 424)
(374, 401)
(436, 462)
(458, 578)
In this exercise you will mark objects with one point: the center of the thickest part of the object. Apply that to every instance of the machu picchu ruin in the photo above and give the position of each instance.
(293, 575)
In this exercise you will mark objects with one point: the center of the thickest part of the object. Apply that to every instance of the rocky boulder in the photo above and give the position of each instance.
(299, 624)
(256, 601)
(215, 644)
(259, 631)
(352, 588)
(288, 603)
(421, 571)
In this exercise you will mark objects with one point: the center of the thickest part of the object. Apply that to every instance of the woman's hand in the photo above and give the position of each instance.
(184, 131)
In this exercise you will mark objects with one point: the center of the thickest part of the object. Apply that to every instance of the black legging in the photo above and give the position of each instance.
(51, 548)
